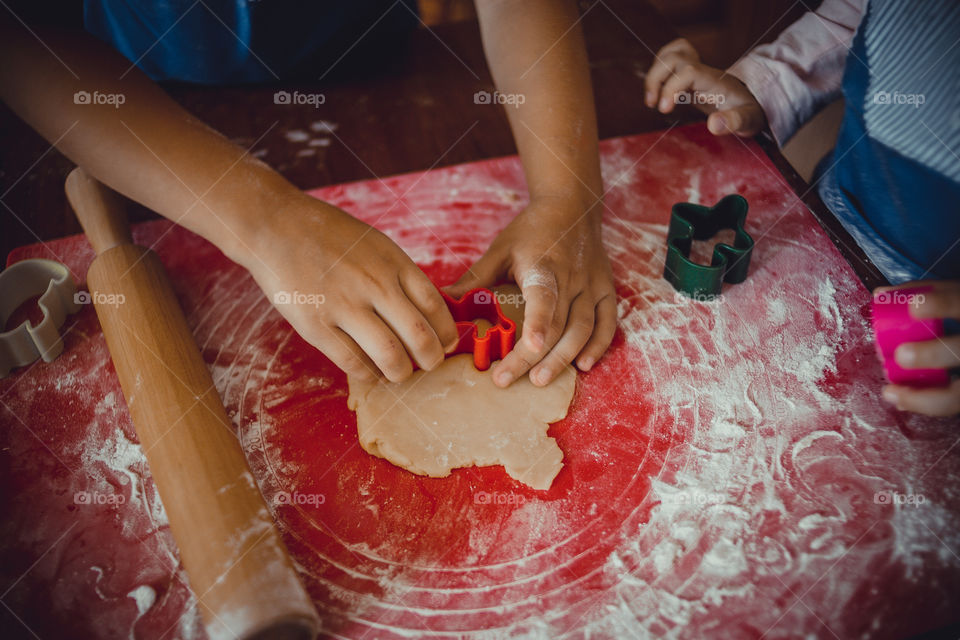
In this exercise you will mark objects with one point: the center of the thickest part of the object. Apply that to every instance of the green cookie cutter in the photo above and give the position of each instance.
(689, 222)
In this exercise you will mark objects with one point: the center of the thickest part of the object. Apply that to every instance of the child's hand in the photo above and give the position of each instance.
(350, 291)
(942, 302)
(677, 70)
(553, 251)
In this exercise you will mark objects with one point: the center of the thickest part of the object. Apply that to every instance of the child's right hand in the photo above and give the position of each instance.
(677, 70)
(359, 298)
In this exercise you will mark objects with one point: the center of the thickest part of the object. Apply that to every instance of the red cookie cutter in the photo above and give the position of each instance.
(499, 338)
(893, 325)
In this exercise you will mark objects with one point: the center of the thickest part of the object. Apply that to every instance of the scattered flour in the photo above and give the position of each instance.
(764, 496)
(776, 312)
(144, 596)
(539, 277)
(323, 126)
(693, 190)
(297, 135)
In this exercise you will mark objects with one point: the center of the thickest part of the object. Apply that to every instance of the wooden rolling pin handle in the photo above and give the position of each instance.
(239, 569)
(100, 210)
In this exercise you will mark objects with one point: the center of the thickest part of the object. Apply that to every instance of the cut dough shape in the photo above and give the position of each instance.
(454, 416)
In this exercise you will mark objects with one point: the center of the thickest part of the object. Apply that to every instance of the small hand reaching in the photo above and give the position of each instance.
(677, 76)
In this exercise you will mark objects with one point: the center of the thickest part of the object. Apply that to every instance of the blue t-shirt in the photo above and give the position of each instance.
(246, 41)
(894, 177)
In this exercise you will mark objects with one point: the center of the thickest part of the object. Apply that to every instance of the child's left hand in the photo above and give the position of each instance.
(942, 302)
(553, 252)
(730, 106)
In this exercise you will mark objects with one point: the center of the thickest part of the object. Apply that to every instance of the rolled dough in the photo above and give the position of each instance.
(454, 416)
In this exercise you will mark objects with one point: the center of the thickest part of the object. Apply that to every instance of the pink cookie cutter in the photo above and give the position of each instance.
(893, 325)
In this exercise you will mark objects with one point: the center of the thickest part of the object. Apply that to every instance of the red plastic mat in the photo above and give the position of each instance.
(730, 469)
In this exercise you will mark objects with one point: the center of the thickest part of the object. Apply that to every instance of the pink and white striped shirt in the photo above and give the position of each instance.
(802, 70)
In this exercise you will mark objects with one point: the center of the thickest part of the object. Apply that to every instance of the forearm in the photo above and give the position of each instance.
(535, 49)
(147, 148)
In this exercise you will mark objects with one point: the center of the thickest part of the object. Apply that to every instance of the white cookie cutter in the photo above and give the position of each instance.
(58, 297)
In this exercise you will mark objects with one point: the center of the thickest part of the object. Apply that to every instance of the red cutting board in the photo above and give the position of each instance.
(730, 470)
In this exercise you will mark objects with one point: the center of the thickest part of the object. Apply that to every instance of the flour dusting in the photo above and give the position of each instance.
(729, 467)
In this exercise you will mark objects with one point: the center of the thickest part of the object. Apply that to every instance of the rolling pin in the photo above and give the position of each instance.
(238, 567)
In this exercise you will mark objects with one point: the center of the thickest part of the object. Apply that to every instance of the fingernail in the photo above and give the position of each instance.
(651, 97)
(540, 377)
(906, 356)
(890, 396)
(535, 340)
(504, 378)
(585, 363)
(664, 104)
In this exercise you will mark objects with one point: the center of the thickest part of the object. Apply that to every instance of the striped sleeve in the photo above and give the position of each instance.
(802, 70)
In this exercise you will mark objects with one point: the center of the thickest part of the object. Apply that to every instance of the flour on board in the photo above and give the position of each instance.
(767, 506)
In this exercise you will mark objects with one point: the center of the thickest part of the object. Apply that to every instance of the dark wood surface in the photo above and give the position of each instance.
(411, 111)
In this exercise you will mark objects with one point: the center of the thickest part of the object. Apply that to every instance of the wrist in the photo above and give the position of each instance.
(581, 191)
(252, 214)
(569, 206)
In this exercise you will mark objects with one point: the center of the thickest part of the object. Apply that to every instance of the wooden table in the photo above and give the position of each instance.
(414, 112)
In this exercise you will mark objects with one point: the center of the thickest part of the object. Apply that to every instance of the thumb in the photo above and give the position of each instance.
(540, 293)
(745, 120)
(483, 273)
